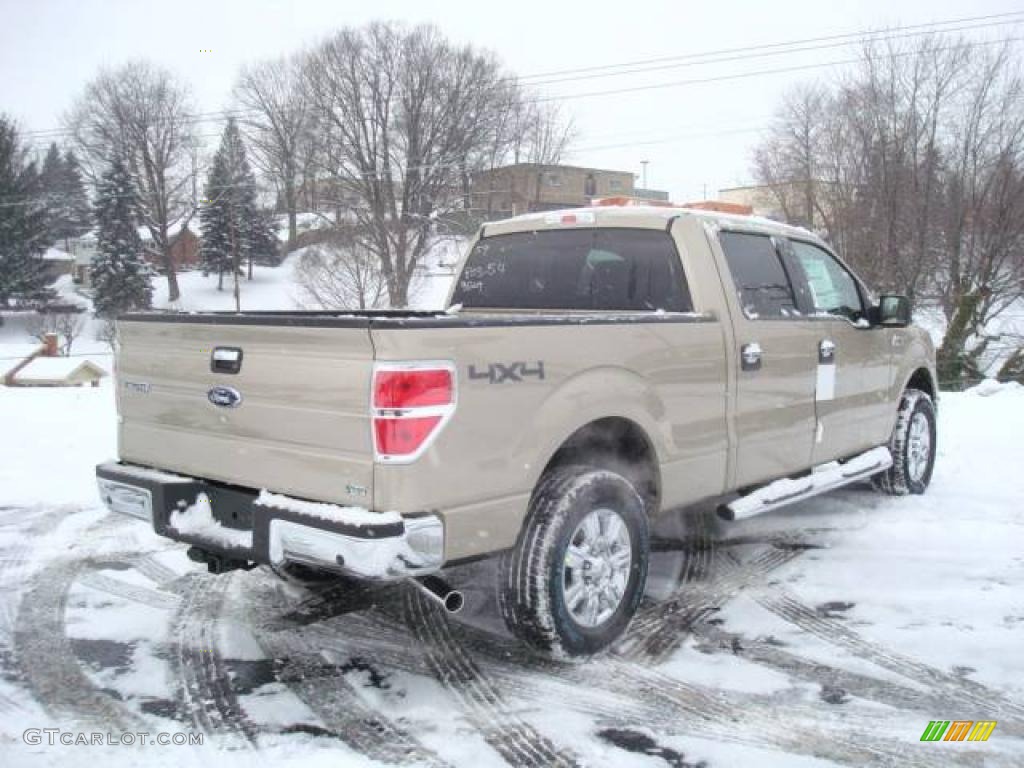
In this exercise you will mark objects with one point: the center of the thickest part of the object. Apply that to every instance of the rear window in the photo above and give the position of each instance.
(761, 281)
(581, 269)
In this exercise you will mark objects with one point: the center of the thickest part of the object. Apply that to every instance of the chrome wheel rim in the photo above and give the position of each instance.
(597, 566)
(919, 447)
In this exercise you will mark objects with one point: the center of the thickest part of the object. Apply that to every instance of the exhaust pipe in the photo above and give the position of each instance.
(438, 590)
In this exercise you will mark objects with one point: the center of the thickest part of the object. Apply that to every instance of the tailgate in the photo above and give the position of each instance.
(299, 425)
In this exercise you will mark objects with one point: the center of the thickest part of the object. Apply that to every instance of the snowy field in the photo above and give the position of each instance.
(829, 633)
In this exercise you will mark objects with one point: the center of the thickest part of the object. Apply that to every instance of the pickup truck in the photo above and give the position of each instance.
(595, 369)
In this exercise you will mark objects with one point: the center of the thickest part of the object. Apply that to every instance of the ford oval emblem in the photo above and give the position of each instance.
(225, 397)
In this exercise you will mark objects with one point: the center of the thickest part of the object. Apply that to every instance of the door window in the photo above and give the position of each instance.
(832, 288)
(762, 284)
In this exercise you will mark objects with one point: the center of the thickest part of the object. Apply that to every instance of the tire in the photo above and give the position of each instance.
(537, 584)
(912, 461)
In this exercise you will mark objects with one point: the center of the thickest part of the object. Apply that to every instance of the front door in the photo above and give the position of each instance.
(777, 350)
(851, 394)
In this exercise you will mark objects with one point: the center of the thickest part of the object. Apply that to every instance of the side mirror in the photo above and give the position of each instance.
(894, 310)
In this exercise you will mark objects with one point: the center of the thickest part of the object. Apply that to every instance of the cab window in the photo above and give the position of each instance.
(831, 288)
(763, 287)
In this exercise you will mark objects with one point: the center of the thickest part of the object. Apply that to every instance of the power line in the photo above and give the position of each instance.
(756, 51)
(765, 46)
(782, 52)
(744, 75)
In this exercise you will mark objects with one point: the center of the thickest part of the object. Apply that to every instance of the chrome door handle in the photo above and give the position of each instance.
(750, 356)
(826, 352)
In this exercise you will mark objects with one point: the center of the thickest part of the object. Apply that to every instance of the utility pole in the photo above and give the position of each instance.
(235, 265)
(643, 164)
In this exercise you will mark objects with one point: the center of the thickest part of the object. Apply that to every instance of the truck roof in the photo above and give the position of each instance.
(639, 216)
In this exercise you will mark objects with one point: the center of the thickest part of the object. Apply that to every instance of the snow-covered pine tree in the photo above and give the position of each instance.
(232, 223)
(77, 213)
(119, 274)
(50, 178)
(264, 247)
(67, 206)
(23, 234)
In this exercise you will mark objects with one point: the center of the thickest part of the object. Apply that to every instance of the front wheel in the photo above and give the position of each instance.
(575, 577)
(912, 446)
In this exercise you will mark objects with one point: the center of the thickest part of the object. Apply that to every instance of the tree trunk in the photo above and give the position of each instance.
(173, 293)
(954, 365)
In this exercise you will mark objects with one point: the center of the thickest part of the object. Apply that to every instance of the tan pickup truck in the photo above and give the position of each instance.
(596, 368)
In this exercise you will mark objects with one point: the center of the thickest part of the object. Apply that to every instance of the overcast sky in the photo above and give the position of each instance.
(691, 135)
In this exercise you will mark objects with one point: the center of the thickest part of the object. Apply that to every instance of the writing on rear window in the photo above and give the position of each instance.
(579, 269)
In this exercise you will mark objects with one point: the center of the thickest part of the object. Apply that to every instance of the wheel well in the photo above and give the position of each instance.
(922, 380)
(617, 444)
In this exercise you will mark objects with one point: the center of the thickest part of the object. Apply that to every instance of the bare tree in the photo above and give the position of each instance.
(342, 276)
(64, 321)
(913, 166)
(140, 113)
(404, 116)
(276, 122)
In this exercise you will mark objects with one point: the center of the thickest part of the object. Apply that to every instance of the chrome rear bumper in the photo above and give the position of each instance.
(232, 523)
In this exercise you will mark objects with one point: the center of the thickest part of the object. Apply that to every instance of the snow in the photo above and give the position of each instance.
(198, 520)
(56, 254)
(54, 368)
(332, 512)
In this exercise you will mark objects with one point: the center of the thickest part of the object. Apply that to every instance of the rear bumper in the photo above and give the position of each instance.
(239, 524)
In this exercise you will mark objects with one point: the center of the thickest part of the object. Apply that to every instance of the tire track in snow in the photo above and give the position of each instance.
(47, 662)
(665, 626)
(984, 700)
(518, 743)
(205, 689)
(771, 654)
(324, 688)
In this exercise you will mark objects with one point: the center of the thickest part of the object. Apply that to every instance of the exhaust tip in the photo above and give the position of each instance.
(454, 601)
(725, 512)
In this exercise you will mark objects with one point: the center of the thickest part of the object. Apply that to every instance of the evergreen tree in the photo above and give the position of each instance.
(234, 227)
(50, 178)
(67, 206)
(119, 274)
(77, 213)
(23, 232)
(264, 247)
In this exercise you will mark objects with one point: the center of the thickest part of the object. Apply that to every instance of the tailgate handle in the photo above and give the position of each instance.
(226, 360)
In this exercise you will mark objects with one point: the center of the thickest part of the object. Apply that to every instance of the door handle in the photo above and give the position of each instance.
(826, 352)
(750, 356)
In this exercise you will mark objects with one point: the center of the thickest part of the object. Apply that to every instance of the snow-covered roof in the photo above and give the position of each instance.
(12, 355)
(43, 369)
(56, 254)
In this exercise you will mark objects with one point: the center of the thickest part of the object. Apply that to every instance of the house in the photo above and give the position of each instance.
(41, 366)
(84, 249)
(58, 263)
(524, 187)
(184, 245)
(45, 371)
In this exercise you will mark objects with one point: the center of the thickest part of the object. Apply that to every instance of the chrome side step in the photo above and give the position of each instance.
(822, 479)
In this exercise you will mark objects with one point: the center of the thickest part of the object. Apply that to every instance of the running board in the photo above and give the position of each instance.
(821, 480)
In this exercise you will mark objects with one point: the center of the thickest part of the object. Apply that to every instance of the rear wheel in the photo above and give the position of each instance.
(912, 446)
(575, 577)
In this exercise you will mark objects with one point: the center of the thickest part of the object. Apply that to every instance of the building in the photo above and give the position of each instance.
(524, 187)
(58, 263)
(184, 246)
(41, 366)
(782, 202)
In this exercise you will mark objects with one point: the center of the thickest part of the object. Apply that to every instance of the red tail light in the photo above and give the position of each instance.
(411, 404)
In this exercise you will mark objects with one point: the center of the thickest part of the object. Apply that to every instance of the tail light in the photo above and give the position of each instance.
(411, 403)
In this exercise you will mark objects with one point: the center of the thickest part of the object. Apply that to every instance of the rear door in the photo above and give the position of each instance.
(280, 403)
(853, 409)
(777, 350)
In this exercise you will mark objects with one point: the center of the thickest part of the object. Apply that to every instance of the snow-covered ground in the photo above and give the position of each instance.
(829, 633)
